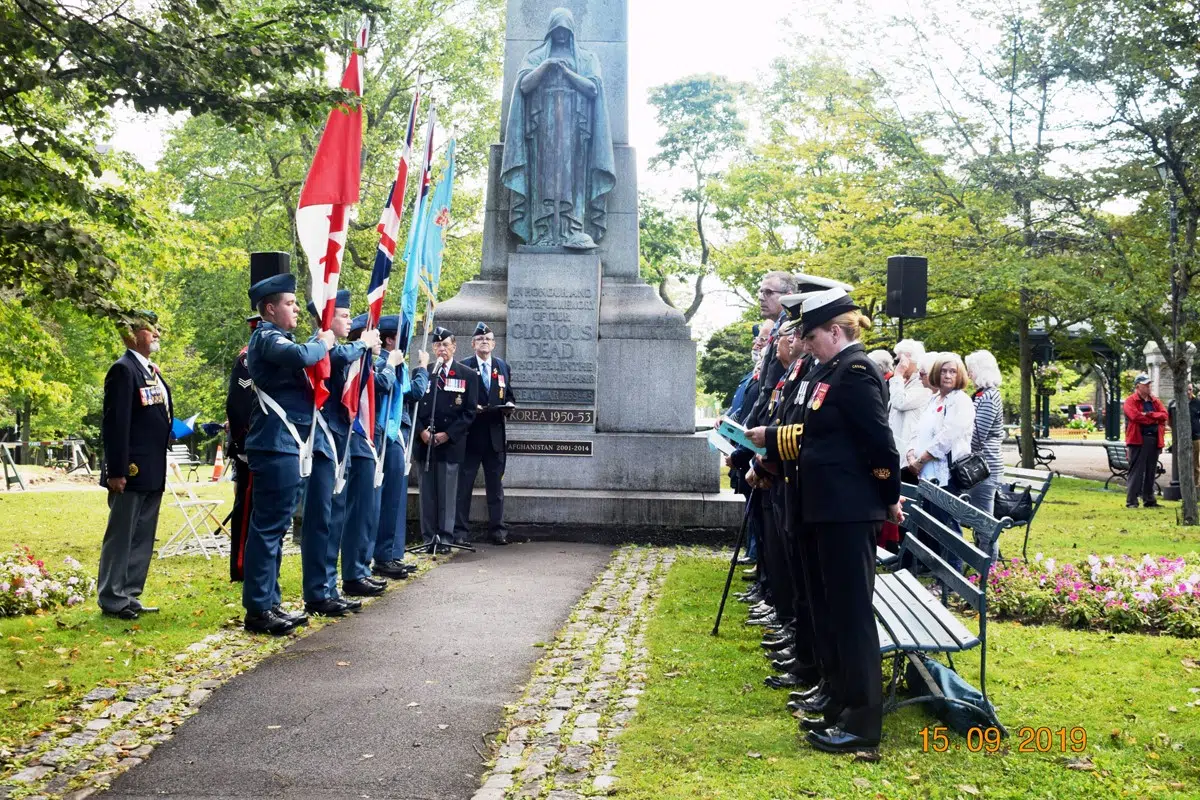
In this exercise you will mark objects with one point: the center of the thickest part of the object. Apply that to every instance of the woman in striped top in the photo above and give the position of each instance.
(988, 434)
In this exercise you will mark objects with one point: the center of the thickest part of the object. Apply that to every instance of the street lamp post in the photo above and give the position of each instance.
(1173, 492)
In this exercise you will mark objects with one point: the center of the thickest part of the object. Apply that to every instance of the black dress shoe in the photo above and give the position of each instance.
(836, 740)
(350, 604)
(125, 613)
(361, 589)
(816, 723)
(744, 561)
(786, 665)
(391, 569)
(808, 693)
(750, 576)
(329, 607)
(298, 619)
(819, 703)
(380, 582)
(769, 619)
(499, 541)
(141, 609)
(785, 681)
(267, 622)
(786, 654)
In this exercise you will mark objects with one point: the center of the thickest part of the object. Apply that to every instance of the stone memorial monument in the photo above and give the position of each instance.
(604, 371)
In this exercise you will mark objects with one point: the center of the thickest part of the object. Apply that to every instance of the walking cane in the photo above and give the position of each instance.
(737, 548)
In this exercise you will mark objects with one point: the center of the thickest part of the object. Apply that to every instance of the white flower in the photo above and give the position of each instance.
(1110, 595)
(1037, 557)
(1050, 563)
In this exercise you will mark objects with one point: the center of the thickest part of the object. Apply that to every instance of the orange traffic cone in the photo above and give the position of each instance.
(218, 465)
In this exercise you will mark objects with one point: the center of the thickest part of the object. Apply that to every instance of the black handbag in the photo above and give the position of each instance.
(968, 471)
(1018, 506)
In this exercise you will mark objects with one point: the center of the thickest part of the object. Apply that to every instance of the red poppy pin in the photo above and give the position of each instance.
(451, 373)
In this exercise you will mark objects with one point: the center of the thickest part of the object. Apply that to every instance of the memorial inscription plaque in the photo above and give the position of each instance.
(549, 447)
(554, 416)
(553, 321)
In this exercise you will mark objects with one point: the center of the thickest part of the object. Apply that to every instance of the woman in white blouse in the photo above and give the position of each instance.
(943, 432)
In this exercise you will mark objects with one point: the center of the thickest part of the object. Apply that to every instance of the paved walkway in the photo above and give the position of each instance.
(390, 704)
(1083, 461)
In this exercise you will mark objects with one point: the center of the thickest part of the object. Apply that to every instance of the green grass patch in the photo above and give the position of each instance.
(1081, 517)
(49, 661)
(707, 727)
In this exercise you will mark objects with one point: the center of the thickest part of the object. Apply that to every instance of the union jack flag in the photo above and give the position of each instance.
(360, 401)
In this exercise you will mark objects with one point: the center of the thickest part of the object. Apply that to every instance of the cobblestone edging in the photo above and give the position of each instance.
(559, 741)
(116, 727)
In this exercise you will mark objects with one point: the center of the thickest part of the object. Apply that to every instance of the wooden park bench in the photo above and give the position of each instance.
(1038, 483)
(1118, 465)
(910, 620)
(886, 558)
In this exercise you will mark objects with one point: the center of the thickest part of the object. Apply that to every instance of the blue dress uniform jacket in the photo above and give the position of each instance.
(276, 362)
(487, 431)
(385, 378)
(335, 414)
(450, 407)
(136, 426)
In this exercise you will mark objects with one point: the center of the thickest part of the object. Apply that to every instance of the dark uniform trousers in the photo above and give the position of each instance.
(493, 474)
(128, 547)
(239, 521)
(276, 478)
(439, 500)
(778, 559)
(362, 518)
(393, 505)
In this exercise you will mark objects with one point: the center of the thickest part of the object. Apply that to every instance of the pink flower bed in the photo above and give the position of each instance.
(27, 586)
(1113, 593)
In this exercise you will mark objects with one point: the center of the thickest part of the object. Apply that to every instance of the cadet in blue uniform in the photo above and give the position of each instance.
(322, 596)
(136, 429)
(239, 400)
(280, 424)
(849, 485)
(393, 412)
(362, 495)
(444, 416)
(485, 439)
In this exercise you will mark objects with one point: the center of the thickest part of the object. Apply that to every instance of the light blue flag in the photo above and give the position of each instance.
(434, 233)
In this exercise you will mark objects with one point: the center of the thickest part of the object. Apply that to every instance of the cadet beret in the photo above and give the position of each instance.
(441, 334)
(821, 307)
(389, 325)
(482, 329)
(358, 324)
(285, 282)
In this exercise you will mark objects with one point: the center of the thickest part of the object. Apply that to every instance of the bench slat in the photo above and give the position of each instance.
(1031, 474)
(884, 558)
(926, 631)
(886, 645)
(901, 637)
(951, 623)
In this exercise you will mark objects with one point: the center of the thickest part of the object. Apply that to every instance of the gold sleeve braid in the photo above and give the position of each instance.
(789, 441)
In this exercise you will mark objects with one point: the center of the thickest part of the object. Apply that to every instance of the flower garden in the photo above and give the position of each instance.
(27, 586)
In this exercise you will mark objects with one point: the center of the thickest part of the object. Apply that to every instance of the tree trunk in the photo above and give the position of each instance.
(1026, 412)
(25, 425)
(1183, 434)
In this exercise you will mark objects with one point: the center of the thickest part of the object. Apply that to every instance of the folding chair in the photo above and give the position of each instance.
(201, 532)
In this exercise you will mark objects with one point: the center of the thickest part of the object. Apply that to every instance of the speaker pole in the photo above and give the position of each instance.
(900, 325)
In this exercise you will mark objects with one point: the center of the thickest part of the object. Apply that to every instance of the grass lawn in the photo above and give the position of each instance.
(706, 727)
(47, 662)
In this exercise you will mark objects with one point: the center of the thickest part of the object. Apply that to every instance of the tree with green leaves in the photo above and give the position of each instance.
(66, 65)
(703, 130)
(726, 360)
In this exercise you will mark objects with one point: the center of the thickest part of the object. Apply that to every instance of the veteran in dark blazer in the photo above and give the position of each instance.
(486, 440)
(444, 416)
(136, 429)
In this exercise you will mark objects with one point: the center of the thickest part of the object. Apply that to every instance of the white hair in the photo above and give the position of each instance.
(984, 370)
(925, 362)
(914, 349)
(882, 359)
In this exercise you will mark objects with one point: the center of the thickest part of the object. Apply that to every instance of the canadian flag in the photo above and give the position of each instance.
(331, 188)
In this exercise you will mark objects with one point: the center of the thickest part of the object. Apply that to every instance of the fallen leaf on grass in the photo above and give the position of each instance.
(868, 756)
(967, 788)
(862, 783)
(752, 754)
(672, 674)
(1177, 786)
(1083, 764)
(1190, 664)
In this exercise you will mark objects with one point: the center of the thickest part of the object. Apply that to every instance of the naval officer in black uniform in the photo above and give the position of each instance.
(135, 429)
(486, 441)
(849, 485)
(444, 415)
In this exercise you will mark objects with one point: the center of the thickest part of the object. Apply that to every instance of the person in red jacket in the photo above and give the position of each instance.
(1145, 427)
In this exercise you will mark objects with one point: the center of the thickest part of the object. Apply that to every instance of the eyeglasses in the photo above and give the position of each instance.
(768, 292)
